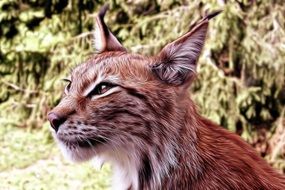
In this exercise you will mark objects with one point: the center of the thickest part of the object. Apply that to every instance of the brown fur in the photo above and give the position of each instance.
(148, 126)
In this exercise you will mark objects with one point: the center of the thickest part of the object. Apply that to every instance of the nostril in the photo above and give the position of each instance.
(55, 120)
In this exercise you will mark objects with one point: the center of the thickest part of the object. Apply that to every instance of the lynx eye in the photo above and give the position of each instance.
(67, 87)
(101, 88)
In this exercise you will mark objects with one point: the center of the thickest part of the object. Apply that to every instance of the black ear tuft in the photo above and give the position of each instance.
(213, 14)
(103, 11)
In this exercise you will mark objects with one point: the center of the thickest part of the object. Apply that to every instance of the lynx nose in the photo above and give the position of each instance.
(55, 120)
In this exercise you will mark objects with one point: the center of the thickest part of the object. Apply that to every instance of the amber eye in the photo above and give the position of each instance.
(101, 88)
(67, 87)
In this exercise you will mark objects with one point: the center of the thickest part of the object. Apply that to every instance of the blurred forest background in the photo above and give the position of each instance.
(240, 84)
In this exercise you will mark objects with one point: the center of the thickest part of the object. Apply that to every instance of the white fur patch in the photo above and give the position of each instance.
(125, 169)
(99, 41)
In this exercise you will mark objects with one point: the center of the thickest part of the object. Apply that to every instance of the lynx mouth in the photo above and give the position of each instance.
(80, 150)
(83, 143)
(88, 143)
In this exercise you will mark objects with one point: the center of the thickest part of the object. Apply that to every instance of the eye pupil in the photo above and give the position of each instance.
(101, 88)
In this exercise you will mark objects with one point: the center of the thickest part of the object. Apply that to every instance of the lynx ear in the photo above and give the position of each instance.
(104, 40)
(176, 63)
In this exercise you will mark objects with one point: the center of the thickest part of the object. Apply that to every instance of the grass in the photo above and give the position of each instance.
(29, 159)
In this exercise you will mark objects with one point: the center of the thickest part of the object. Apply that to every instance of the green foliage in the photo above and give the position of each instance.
(246, 52)
(240, 82)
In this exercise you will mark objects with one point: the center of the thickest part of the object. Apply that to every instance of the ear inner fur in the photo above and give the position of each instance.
(176, 63)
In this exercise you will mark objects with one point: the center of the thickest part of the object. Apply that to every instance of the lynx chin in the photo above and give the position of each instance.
(135, 112)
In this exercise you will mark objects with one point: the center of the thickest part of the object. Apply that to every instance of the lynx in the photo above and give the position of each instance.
(135, 112)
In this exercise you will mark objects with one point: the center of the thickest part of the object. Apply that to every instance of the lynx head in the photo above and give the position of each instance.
(117, 103)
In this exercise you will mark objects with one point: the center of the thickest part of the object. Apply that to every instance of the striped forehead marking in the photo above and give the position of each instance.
(94, 71)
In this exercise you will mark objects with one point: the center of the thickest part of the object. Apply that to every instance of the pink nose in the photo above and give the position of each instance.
(55, 120)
